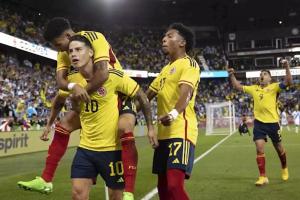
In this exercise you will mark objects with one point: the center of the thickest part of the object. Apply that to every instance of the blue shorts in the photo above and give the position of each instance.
(174, 153)
(262, 130)
(88, 164)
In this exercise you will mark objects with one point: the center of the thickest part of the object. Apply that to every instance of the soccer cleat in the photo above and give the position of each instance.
(128, 196)
(38, 184)
(262, 180)
(285, 174)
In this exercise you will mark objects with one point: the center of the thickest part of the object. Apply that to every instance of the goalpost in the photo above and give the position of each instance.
(220, 118)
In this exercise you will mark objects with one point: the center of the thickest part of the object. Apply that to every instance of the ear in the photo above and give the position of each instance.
(182, 43)
(68, 35)
(91, 53)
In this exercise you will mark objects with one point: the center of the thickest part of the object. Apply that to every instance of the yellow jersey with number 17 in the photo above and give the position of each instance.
(99, 117)
(166, 85)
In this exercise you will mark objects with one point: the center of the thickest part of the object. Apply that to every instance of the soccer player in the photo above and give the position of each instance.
(284, 120)
(243, 128)
(266, 116)
(296, 116)
(99, 148)
(58, 31)
(175, 88)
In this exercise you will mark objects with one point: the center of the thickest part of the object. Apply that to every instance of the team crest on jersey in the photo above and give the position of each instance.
(173, 70)
(101, 91)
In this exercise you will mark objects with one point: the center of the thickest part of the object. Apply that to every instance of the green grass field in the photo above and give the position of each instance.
(226, 173)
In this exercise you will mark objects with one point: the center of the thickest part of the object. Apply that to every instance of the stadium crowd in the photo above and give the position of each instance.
(138, 49)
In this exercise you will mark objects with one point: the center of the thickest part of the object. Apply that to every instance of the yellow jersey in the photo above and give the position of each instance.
(75, 77)
(265, 101)
(99, 117)
(182, 71)
(102, 51)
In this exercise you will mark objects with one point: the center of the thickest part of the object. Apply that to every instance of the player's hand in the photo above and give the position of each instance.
(230, 70)
(80, 94)
(152, 137)
(45, 134)
(285, 63)
(165, 120)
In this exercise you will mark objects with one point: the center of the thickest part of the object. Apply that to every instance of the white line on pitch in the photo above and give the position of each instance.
(153, 192)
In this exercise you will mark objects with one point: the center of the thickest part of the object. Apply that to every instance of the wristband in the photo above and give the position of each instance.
(174, 114)
(71, 86)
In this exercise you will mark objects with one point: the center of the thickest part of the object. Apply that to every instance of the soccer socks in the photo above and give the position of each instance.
(129, 159)
(162, 187)
(261, 162)
(56, 151)
(176, 184)
(282, 158)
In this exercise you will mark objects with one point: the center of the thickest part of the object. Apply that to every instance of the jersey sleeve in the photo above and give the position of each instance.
(99, 43)
(155, 85)
(190, 73)
(280, 86)
(63, 61)
(248, 89)
(125, 84)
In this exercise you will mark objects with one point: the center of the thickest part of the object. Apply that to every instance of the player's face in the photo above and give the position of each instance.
(172, 41)
(265, 78)
(61, 43)
(79, 54)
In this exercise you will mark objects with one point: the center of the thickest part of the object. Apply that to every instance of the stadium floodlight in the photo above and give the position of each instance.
(220, 118)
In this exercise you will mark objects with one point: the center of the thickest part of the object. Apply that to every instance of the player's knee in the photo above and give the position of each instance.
(78, 193)
(69, 123)
(126, 125)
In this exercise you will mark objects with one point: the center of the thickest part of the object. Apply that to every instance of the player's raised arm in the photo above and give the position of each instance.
(288, 77)
(235, 83)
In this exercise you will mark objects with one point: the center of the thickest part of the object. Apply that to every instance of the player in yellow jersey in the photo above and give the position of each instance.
(99, 148)
(58, 31)
(175, 88)
(266, 114)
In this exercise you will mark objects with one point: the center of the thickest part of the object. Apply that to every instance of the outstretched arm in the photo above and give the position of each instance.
(235, 83)
(288, 77)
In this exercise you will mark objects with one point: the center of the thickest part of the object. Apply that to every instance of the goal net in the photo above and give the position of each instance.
(220, 118)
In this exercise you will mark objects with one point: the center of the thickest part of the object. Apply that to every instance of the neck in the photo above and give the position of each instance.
(87, 70)
(264, 85)
(177, 55)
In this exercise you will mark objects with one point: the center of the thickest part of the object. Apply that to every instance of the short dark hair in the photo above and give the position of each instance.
(186, 33)
(55, 27)
(81, 38)
(265, 70)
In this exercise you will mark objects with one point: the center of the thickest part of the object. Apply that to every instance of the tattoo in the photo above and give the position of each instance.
(145, 105)
(100, 72)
